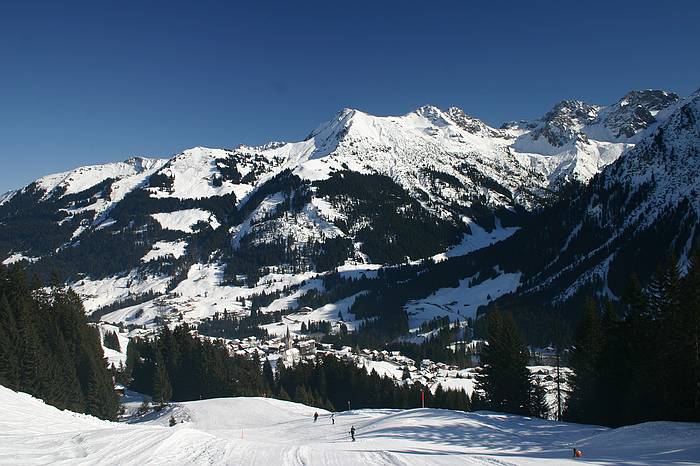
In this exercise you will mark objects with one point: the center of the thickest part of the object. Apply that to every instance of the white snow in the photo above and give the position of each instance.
(7, 196)
(199, 296)
(353, 270)
(98, 293)
(113, 356)
(174, 249)
(404, 147)
(184, 220)
(18, 257)
(478, 239)
(83, 178)
(461, 302)
(262, 431)
(193, 172)
(329, 312)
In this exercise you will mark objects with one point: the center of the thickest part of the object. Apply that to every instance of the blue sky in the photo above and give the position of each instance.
(89, 82)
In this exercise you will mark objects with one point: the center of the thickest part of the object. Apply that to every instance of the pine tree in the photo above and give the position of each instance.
(582, 404)
(539, 406)
(440, 397)
(302, 396)
(680, 358)
(111, 341)
(505, 379)
(478, 403)
(689, 348)
(268, 375)
(283, 395)
(9, 360)
(93, 395)
(162, 390)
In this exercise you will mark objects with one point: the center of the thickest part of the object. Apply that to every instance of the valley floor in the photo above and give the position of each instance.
(260, 431)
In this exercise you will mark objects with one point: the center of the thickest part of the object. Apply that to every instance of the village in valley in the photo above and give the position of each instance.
(290, 348)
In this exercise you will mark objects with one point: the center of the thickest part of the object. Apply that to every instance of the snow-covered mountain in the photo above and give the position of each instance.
(218, 227)
(636, 215)
(580, 139)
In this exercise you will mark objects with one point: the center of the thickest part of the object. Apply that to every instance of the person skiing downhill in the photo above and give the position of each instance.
(333, 418)
(352, 433)
(315, 417)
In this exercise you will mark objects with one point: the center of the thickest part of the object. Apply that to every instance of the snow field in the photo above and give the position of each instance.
(261, 431)
(184, 220)
(461, 302)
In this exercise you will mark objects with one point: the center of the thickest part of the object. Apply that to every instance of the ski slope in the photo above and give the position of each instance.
(260, 431)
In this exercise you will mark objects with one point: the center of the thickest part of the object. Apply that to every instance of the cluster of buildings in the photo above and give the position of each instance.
(292, 349)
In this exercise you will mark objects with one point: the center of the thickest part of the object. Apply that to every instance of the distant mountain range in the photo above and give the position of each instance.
(535, 211)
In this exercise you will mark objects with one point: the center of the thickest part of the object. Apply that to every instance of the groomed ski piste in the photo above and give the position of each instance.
(261, 431)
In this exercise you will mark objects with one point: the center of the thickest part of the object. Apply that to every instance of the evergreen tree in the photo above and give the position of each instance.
(268, 375)
(687, 388)
(582, 405)
(283, 395)
(48, 350)
(111, 341)
(539, 406)
(478, 402)
(302, 396)
(504, 378)
(162, 390)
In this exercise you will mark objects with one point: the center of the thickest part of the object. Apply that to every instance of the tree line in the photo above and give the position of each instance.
(640, 361)
(47, 348)
(178, 365)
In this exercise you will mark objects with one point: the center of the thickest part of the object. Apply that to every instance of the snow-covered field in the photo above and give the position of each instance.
(250, 431)
(461, 302)
(183, 220)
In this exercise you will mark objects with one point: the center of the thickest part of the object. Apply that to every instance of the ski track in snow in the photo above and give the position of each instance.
(261, 431)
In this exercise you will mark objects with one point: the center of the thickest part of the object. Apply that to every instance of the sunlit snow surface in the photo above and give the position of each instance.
(18, 257)
(260, 431)
(184, 220)
(463, 301)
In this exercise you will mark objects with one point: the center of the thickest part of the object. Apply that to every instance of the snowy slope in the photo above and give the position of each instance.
(184, 220)
(82, 178)
(259, 431)
(463, 301)
(192, 173)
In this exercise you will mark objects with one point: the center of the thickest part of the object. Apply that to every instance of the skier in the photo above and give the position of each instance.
(333, 418)
(352, 433)
(315, 417)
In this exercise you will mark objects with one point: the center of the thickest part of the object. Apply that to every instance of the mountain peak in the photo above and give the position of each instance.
(636, 111)
(428, 110)
(347, 112)
(571, 110)
(471, 124)
(651, 99)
